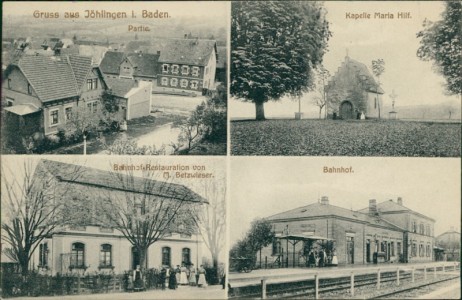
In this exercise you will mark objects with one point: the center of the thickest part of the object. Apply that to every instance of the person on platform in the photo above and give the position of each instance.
(163, 277)
(202, 282)
(178, 274)
(311, 259)
(192, 275)
(172, 283)
(183, 275)
(137, 278)
(321, 258)
(334, 258)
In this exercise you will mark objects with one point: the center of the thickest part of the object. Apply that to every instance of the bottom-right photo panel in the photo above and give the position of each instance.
(340, 228)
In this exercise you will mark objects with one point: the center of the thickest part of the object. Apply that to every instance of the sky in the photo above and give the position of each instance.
(393, 40)
(262, 186)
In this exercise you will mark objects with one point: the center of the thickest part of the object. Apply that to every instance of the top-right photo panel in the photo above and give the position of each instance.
(346, 78)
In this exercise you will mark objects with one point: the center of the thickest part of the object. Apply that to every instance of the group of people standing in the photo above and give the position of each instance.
(183, 276)
(319, 258)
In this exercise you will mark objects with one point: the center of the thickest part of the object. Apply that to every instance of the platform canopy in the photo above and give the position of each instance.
(302, 237)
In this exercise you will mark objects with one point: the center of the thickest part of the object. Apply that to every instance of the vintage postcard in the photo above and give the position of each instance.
(356, 78)
(102, 78)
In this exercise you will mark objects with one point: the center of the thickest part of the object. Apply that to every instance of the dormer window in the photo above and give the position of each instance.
(175, 69)
(164, 68)
(184, 70)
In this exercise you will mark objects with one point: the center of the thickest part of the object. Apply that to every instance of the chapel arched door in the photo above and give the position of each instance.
(346, 110)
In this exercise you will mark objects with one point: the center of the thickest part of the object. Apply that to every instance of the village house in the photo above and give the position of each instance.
(40, 92)
(175, 66)
(353, 91)
(133, 97)
(87, 246)
(386, 232)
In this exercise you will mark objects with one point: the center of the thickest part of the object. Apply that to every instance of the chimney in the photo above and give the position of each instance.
(400, 201)
(372, 206)
(325, 200)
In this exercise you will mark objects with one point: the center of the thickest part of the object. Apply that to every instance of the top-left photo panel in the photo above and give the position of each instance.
(138, 78)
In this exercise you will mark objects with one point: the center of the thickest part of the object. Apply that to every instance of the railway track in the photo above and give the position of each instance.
(333, 286)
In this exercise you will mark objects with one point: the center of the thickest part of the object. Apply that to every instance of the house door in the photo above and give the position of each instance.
(346, 110)
(135, 258)
(350, 243)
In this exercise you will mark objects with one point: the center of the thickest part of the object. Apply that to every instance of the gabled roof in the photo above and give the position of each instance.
(190, 52)
(320, 210)
(145, 64)
(51, 77)
(111, 62)
(103, 179)
(179, 51)
(391, 206)
(81, 66)
(362, 71)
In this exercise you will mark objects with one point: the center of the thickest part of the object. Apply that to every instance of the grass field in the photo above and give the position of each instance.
(345, 138)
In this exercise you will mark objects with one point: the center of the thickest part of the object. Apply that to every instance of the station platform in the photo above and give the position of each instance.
(296, 274)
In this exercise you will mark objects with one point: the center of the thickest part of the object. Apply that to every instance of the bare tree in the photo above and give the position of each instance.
(211, 218)
(378, 67)
(32, 207)
(145, 209)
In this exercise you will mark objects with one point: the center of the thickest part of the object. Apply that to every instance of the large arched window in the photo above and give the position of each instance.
(186, 256)
(105, 255)
(78, 255)
(166, 256)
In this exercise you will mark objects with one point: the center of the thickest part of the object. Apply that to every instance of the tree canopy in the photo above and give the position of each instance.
(441, 43)
(274, 48)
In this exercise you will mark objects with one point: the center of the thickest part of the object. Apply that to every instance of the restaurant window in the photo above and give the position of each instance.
(186, 256)
(78, 255)
(105, 255)
(43, 255)
(166, 259)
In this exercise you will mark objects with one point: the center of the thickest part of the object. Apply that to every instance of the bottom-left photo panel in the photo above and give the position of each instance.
(106, 227)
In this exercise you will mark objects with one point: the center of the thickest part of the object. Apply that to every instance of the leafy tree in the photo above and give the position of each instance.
(441, 43)
(275, 46)
(160, 207)
(33, 208)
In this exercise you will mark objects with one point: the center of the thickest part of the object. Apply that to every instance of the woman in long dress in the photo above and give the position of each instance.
(202, 282)
(172, 280)
(334, 258)
(183, 275)
(192, 275)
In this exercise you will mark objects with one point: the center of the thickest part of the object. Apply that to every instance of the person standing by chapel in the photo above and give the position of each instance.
(192, 275)
(137, 278)
(202, 282)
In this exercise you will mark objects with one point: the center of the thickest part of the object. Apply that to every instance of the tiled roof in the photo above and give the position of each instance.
(94, 177)
(391, 206)
(51, 78)
(146, 64)
(120, 86)
(190, 52)
(179, 51)
(318, 210)
(111, 62)
(81, 66)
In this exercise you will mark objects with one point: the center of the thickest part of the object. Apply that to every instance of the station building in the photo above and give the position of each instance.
(386, 232)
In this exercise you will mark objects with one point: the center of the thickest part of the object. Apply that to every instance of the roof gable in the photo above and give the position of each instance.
(120, 86)
(111, 62)
(52, 78)
(81, 66)
(145, 64)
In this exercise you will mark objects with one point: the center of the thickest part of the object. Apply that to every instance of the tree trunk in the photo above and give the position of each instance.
(143, 260)
(320, 111)
(259, 111)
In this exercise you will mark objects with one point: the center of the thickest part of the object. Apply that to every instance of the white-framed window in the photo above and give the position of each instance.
(175, 69)
(92, 106)
(43, 254)
(68, 112)
(54, 117)
(194, 84)
(165, 68)
(164, 81)
(195, 71)
(174, 82)
(105, 255)
(92, 84)
(184, 83)
(9, 101)
(184, 70)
